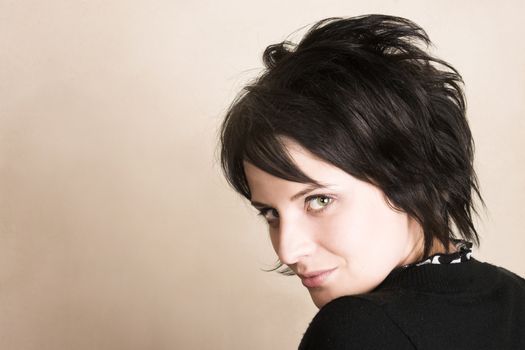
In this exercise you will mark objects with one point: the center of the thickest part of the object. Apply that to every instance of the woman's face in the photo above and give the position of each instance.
(346, 228)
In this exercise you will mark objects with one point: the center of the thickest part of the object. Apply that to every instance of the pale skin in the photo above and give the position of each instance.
(347, 227)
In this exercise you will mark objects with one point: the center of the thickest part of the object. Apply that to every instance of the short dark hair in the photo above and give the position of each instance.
(364, 95)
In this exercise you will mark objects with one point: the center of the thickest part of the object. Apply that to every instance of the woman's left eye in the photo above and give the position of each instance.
(318, 203)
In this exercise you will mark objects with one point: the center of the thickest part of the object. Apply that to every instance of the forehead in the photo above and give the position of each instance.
(261, 182)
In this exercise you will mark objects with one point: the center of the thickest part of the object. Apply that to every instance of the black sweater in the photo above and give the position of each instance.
(470, 305)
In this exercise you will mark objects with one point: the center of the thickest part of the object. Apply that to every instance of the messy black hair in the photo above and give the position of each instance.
(363, 94)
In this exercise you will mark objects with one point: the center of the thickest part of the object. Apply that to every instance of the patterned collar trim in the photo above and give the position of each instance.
(463, 253)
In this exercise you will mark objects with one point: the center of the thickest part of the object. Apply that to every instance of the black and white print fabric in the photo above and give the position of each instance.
(463, 253)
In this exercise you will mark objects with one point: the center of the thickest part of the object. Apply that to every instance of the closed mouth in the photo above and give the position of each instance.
(315, 279)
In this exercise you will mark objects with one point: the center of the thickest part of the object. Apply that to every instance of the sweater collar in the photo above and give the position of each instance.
(466, 276)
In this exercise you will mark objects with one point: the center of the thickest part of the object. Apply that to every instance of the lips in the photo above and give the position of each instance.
(315, 279)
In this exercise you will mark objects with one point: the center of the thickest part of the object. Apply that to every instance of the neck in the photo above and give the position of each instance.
(416, 252)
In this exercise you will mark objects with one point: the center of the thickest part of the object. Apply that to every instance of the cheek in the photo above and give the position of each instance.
(339, 234)
(366, 231)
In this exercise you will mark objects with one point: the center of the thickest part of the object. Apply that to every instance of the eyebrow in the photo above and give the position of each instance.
(299, 194)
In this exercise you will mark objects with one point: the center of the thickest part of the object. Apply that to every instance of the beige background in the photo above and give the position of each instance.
(117, 230)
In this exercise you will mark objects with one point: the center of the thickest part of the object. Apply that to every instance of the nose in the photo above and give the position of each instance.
(293, 241)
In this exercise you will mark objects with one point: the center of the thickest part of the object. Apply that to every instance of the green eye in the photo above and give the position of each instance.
(319, 202)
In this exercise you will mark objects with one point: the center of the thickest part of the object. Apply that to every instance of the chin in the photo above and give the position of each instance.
(319, 303)
(321, 299)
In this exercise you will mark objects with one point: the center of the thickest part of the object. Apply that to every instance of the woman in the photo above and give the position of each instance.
(354, 146)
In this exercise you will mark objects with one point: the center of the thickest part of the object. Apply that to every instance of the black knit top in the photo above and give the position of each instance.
(449, 301)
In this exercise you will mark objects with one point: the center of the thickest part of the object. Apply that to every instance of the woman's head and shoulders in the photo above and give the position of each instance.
(355, 147)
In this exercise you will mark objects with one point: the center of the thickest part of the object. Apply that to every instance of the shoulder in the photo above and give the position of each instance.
(510, 282)
(501, 276)
(511, 276)
(353, 322)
